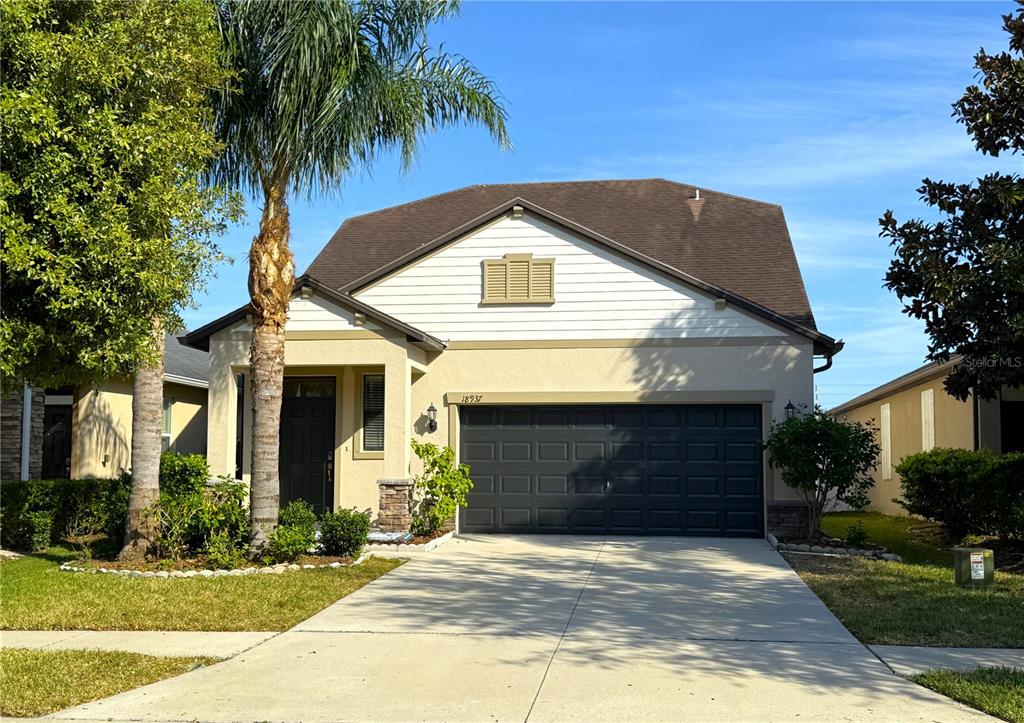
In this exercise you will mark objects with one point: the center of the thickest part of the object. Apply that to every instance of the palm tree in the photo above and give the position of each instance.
(322, 87)
(147, 425)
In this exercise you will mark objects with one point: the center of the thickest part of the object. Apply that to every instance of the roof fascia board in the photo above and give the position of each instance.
(187, 381)
(200, 338)
(899, 384)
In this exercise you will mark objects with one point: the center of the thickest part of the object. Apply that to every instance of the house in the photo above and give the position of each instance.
(606, 356)
(913, 413)
(76, 432)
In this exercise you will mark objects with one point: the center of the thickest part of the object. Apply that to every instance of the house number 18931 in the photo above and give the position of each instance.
(471, 398)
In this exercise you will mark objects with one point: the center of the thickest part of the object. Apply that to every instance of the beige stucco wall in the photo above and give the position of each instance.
(954, 427)
(102, 426)
(771, 372)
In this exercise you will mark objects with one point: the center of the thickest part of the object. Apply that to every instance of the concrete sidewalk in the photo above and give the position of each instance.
(559, 628)
(911, 660)
(209, 644)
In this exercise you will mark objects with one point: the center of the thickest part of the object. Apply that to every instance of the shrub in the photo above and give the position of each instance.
(298, 513)
(115, 508)
(295, 533)
(186, 523)
(856, 535)
(80, 506)
(442, 487)
(286, 543)
(826, 460)
(183, 474)
(344, 533)
(224, 553)
(1006, 486)
(38, 528)
(966, 491)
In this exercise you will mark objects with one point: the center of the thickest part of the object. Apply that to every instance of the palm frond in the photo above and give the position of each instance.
(324, 85)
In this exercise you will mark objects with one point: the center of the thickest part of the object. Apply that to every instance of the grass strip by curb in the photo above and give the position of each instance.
(996, 691)
(37, 682)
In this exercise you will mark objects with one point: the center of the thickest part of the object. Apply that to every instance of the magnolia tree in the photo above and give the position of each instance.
(826, 460)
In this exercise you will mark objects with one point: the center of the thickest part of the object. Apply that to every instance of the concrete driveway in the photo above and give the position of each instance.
(496, 628)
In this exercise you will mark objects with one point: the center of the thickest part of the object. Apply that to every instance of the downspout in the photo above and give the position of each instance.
(828, 358)
(26, 429)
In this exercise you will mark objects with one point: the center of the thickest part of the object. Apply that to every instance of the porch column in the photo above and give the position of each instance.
(397, 411)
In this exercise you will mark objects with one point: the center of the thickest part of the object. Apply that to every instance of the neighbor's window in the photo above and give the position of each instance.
(373, 412)
(519, 279)
(165, 436)
(886, 433)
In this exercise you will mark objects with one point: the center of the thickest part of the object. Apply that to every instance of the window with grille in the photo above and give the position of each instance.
(519, 279)
(373, 412)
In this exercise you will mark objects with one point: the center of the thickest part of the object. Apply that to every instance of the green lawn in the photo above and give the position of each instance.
(37, 596)
(997, 691)
(886, 603)
(37, 682)
(916, 541)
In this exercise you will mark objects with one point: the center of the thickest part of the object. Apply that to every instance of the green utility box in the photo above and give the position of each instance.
(973, 566)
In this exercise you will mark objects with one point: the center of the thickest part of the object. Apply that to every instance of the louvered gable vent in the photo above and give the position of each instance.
(519, 279)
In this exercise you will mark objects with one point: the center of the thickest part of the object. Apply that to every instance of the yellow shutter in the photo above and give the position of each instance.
(519, 279)
(542, 280)
(495, 280)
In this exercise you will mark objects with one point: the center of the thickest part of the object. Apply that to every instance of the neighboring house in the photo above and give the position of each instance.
(607, 356)
(87, 431)
(913, 413)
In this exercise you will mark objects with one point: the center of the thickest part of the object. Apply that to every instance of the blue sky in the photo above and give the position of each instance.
(835, 111)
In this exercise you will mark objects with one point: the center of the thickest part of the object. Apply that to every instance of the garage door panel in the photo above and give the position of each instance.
(516, 451)
(515, 484)
(479, 452)
(555, 519)
(702, 452)
(627, 469)
(663, 485)
(515, 517)
(552, 484)
(741, 451)
(741, 486)
(697, 486)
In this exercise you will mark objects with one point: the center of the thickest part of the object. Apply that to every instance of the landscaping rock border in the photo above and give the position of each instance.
(237, 572)
(404, 547)
(828, 550)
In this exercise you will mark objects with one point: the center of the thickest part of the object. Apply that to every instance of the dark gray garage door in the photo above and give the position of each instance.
(620, 469)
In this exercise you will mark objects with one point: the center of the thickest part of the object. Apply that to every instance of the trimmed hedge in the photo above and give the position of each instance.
(77, 506)
(967, 492)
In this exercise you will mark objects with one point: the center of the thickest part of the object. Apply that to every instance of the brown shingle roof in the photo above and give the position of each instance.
(738, 244)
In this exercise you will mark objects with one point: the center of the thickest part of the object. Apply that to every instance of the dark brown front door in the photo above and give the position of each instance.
(307, 441)
(57, 441)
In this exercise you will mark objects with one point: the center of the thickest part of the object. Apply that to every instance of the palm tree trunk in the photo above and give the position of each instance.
(271, 277)
(147, 427)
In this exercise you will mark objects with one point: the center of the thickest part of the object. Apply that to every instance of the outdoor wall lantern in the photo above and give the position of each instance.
(432, 418)
(790, 410)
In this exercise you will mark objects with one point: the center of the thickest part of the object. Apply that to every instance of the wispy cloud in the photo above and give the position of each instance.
(854, 154)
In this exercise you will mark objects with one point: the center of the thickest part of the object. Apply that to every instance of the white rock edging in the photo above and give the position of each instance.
(237, 572)
(806, 549)
(407, 548)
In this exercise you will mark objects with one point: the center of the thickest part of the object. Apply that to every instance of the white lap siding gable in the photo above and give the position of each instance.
(598, 293)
